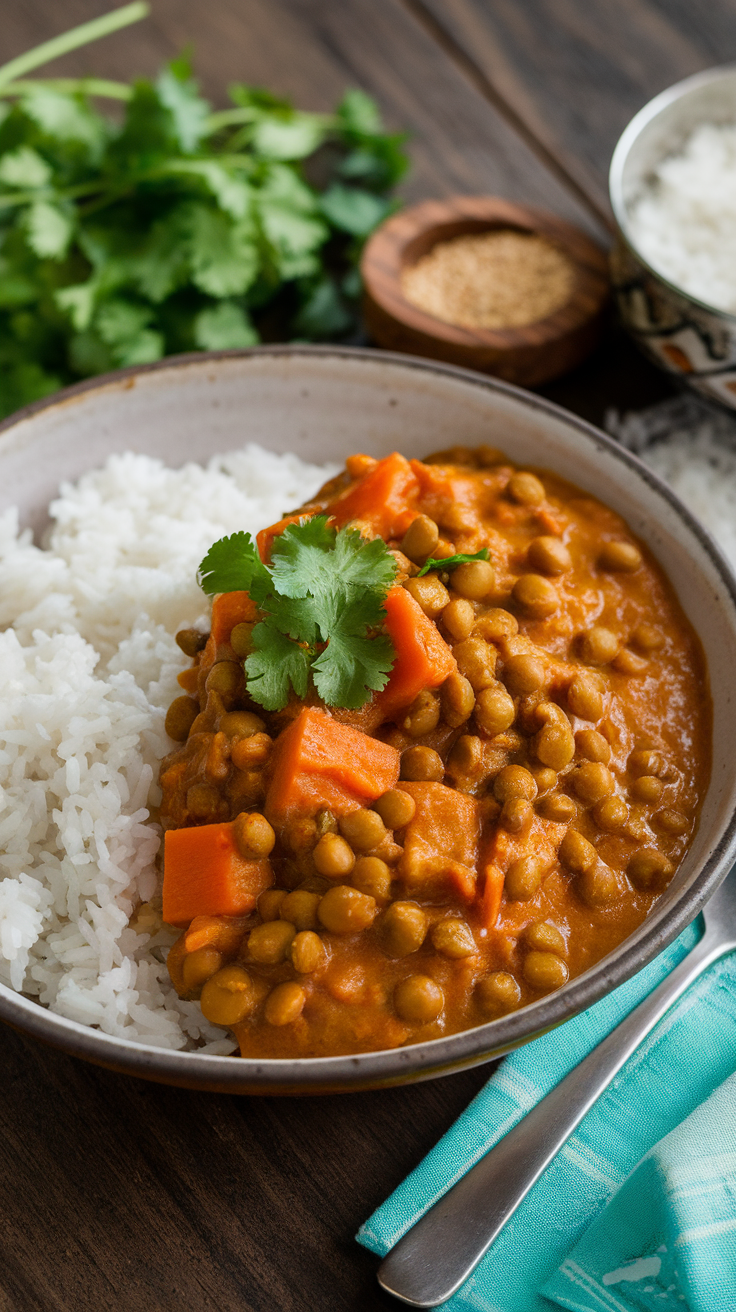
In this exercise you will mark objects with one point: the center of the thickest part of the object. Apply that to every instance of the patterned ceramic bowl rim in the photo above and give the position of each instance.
(646, 115)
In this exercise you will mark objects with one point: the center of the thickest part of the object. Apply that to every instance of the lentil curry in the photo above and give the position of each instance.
(491, 823)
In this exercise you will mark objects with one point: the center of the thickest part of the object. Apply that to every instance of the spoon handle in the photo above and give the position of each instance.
(438, 1254)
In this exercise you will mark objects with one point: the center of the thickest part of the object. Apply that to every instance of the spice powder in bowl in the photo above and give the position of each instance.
(497, 279)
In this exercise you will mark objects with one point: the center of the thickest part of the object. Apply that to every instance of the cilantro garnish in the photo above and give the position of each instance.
(322, 600)
(232, 565)
(451, 562)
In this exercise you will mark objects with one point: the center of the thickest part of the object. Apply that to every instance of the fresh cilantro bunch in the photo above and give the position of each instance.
(173, 228)
(322, 599)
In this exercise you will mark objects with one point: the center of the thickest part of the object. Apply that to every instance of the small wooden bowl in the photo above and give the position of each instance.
(529, 355)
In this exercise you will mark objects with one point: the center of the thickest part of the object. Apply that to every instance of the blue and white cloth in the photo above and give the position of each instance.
(638, 1211)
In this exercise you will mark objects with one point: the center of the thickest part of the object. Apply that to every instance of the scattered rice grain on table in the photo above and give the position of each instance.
(692, 446)
(86, 674)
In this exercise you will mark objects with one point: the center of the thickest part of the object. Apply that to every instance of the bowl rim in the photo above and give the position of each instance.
(436, 1056)
(646, 115)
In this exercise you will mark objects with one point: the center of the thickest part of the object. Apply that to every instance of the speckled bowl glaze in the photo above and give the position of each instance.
(678, 332)
(324, 403)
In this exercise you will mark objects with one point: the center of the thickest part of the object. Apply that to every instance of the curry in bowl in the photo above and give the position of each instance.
(445, 744)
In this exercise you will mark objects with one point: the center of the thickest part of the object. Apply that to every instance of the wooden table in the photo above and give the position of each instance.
(117, 1194)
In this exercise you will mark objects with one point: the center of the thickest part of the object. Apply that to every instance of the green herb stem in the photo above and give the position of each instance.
(71, 86)
(452, 562)
(72, 40)
(230, 118)
(49, 193)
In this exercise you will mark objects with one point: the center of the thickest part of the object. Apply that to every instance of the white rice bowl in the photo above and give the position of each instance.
(88, 666)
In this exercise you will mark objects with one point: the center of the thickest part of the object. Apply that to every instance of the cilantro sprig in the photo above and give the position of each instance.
(172, 227)
(322, 602)
(452, 562)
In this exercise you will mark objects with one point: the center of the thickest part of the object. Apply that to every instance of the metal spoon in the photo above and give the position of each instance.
(437, 1255)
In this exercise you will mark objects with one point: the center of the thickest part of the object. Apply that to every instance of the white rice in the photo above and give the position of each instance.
(684, 220)
(692, 446)
(87, 671)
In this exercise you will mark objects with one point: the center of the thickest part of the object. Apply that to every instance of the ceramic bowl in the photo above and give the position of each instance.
(681, 334)
(324, 403)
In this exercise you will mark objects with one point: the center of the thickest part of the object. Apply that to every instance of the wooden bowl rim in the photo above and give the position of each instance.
(383, 255)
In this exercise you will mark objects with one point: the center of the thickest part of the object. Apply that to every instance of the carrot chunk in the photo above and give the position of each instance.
(318, 762)
(384, 499)
(499, 851)
(492, 893)
(229, 609)
(441, 842)
(423, 658)
(264, 539)
(205, 875)
(446, 491)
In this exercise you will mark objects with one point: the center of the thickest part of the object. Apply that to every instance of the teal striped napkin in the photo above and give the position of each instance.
(638, 1211)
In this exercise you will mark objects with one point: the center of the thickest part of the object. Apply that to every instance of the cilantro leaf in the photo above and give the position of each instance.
(161, 262)
(79, 302)
(65, 118)
(223, 326)
(223, 255)
(188, 111)
(359, 112)
(294, 616)
(119, 321)
(233, 565)
(322, 597)
(49, 230)
(25, 168)
(299, 557)
(350, 668)
(124, 327)
(361, 563)
(323, 314)
(232, 193)
(293, 137)
(354, 210)
(273, 665)
(451, 562)
(313, 558)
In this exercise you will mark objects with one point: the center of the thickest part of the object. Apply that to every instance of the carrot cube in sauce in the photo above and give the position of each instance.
(423, 658)
(265, 539)
(441, 842)
(499, 851)
(229, 609)
(382, 500)
(318, 762)
(205, 875)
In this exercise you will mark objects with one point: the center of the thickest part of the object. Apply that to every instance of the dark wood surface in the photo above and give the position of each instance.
(571, 73)
(120, 1195)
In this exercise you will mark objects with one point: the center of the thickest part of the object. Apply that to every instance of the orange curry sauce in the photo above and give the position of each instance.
(493, 823)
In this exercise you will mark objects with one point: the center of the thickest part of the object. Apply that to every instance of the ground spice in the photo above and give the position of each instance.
(496, 279)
